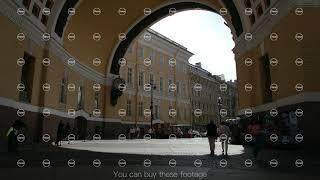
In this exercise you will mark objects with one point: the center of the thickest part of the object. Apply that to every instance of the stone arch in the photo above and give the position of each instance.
(233, 20)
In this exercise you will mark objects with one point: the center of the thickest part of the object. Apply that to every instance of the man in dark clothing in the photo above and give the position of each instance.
(212, 135)
(59, 133)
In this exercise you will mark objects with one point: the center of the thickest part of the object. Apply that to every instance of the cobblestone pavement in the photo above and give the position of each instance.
(183, 159)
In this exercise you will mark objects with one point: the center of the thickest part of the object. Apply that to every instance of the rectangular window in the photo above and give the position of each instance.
(129, 49)
(161, 84)
(63, 91)
(267, 3)
(80, 97)
(140, 109)
(156, 111)
(35, 10)
(129, 108)
(26, 3)
(169, 83)
(178, 88)
(27, 74)
(97, 100)
(266, 78)
(152, 55)
(161, 59)
(141, 79)
(151, 79)
(49, 4)
(129, 76)
(259, 10)
(140, 52)
(44, 19)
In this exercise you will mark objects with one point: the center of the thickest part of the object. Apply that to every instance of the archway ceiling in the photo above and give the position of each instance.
(109, 24)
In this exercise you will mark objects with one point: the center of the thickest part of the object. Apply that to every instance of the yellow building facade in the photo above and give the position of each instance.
(85, 46)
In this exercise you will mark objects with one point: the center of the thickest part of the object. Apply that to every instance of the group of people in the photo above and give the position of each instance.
(213, 132)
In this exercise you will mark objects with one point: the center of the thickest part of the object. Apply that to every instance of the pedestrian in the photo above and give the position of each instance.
(132, 132)
(224, 132)
(258, 143)
(67, 131)
(12, 137)
(137, 132)
(59, 133)
(212, 135)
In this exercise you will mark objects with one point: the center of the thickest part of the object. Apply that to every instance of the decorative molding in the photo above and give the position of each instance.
(263, 27)
(299, 98)
(31, 30)
(32, 108)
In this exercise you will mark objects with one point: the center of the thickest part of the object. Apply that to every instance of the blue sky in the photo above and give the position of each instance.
(204, 34)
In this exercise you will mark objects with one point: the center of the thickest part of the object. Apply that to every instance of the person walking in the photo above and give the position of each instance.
(12, 137)
(132, 132)
(137, 132)
(224, 132)
(212, 135)
(59, 133)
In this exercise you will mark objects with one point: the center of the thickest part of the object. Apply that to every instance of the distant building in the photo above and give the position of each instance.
(206, 90)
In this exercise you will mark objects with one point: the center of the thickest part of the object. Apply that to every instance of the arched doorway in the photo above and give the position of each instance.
(81, 124)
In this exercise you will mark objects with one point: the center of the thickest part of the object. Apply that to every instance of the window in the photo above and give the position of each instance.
(161, 59)
(259, 10)
(252, 19)
(178, 87)
(267, 3)
(141, 79)
(129, 76)
(161, 84)
(63, 91)
(184, 89)
(80, 97)
(49, 4)
(129, 108)
(156, 111)
(27, 78)
(169, 83)
(97, 100)
(129, 49)
(35, 10)
(152, 54)
(140, 109)
(247, 3)
(141, 52)
(44, 19)
(266, 78)
(26, 3)
(151, 79)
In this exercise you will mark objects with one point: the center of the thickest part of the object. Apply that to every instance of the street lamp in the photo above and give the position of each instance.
(219, 102)
(151, 104)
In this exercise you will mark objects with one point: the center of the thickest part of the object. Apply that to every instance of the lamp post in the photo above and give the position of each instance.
(151, 103)
(219, 102)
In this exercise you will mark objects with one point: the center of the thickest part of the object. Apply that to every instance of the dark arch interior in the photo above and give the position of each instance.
(163, 12)
(63, 16)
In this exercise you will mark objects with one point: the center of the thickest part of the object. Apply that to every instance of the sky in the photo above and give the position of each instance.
(205, 35)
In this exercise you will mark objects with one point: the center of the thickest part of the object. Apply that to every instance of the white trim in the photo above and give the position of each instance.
(291, 100)
(32, 108)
